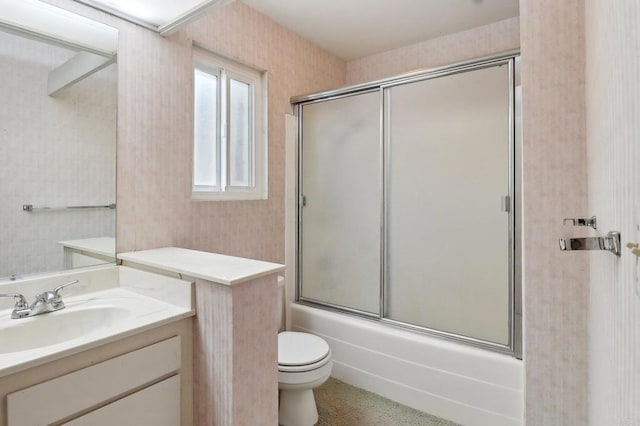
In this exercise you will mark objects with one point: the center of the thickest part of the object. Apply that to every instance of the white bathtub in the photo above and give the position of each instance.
(467, 385)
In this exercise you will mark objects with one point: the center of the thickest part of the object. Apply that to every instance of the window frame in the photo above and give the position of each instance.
(227, 70)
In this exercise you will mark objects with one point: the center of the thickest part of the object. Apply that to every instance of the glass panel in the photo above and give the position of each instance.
(341, 221)
(239, 133)
(205, 129)
(57, 151)
(448, 240)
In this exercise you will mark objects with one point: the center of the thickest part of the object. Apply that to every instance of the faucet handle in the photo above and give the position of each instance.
(56, 291)
(21, 309)
(21, 303)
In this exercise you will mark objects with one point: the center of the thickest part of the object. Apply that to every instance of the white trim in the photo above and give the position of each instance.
(166, 28)
(56, 25)
(226, 196)
(191, 15)
(290, 211)
(79, 67)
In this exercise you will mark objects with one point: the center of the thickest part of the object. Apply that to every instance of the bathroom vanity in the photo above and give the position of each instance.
(121, 347)
(235, 349)
(127, 344)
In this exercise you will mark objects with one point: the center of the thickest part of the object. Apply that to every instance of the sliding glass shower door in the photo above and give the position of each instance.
(341, 191)
(407, 202)
(448, 178)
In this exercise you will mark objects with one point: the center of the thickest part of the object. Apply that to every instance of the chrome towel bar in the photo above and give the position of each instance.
(30, 208)
(610, 242)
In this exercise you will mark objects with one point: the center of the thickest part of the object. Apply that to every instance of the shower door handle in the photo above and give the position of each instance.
(505, 203)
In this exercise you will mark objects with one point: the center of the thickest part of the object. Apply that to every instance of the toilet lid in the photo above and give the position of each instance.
(300, 348)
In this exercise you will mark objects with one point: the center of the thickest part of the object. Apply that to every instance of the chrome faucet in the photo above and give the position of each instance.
(49, 301)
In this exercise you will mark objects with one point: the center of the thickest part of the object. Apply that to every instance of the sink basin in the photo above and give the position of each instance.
(91, 319)
(57, 327)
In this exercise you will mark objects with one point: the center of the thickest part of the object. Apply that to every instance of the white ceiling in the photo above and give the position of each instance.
(354, 28)
(347, 28)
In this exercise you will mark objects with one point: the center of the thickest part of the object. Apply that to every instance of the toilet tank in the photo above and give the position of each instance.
(280, 303)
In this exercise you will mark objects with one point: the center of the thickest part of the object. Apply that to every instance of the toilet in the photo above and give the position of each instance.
(304, 363)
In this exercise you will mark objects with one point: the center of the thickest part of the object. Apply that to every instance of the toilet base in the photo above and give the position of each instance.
(297, 408)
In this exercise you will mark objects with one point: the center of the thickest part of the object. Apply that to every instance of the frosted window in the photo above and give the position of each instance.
(240, 133)
(205, 129)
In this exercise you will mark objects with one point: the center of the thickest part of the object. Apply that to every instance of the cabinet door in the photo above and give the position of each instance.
(157, 405)
(79, 391)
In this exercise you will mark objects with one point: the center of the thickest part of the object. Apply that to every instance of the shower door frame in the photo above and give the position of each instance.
(510, 59)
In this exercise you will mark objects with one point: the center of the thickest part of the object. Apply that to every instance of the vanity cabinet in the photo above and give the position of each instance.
(67, 396)
(141, 380)
(157, 405)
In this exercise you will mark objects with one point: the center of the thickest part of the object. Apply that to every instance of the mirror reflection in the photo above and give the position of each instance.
(58, 145)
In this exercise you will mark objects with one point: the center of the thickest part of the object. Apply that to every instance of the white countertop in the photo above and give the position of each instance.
(218, 268)
(105, 309)
(105, 246)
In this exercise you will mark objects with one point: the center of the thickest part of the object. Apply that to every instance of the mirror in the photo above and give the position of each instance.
(58, 82)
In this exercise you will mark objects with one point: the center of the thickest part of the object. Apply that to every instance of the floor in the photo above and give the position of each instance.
(340, 404)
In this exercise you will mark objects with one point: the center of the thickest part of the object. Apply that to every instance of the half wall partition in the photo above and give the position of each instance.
(407, 211)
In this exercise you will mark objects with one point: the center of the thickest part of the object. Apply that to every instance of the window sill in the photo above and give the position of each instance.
(228, 196)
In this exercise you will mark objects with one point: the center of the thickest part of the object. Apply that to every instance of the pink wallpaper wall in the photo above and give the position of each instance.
(555, 186)
(155, 135)
(155, 130)
(493, 38)
(236, 353)
(613, 151)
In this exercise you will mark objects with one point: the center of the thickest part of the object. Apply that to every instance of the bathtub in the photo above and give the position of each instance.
(464, 384)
